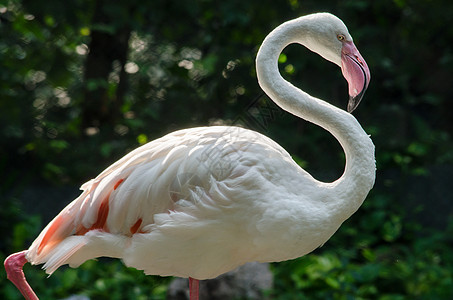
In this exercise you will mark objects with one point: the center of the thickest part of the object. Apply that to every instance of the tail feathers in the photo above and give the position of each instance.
(59, 254)
(63, 252)
(62, 240)
(67, 223)
(61, 227)
(75, 250)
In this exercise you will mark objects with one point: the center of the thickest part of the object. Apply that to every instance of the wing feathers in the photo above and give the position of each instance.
(180, 175)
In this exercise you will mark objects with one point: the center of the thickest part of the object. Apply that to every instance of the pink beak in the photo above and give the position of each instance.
(356, 72)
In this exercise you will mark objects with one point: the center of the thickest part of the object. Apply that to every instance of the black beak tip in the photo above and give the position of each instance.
(354, 102)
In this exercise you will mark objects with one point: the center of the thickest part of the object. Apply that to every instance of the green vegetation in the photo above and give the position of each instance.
(83, 82)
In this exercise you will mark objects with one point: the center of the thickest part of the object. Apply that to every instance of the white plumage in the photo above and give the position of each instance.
(200, 202)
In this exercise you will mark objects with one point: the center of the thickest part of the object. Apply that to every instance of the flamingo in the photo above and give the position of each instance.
(199, 202)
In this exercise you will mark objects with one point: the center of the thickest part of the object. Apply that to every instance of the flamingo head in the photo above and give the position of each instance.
(329, 37)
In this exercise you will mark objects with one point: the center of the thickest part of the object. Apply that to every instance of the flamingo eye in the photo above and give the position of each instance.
(341, 37)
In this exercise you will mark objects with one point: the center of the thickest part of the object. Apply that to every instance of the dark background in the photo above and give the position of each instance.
(84, 82)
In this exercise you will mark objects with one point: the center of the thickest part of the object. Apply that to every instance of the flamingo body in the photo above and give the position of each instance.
(199, 202)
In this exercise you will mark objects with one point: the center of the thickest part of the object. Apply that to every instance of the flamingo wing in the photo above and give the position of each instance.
(183, 172)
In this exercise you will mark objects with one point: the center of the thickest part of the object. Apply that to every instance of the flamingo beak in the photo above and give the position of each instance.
(356, 72)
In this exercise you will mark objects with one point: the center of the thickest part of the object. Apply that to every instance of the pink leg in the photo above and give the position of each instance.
(193, 288)
(13, 266)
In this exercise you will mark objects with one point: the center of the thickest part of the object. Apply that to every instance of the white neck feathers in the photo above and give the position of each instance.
(358, 177)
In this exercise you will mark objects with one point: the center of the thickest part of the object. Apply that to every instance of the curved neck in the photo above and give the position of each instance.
(359, 174)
